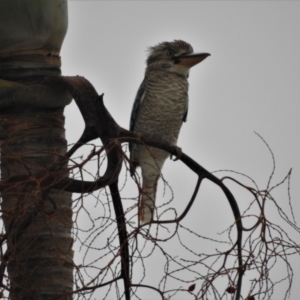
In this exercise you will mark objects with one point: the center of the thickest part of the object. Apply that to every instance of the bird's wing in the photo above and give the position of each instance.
(186, 112)
(136, 105)
(185, 116)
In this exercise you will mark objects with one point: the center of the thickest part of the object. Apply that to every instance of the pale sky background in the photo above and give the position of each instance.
(250, 83)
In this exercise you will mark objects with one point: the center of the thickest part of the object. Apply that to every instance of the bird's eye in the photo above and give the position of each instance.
(170, 52)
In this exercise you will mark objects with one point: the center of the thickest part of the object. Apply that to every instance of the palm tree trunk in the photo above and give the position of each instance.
(37, 219)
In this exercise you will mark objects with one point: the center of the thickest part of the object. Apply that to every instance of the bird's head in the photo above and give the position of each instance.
(178, 55)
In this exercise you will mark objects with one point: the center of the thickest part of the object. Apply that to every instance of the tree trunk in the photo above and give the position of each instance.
(37, 219)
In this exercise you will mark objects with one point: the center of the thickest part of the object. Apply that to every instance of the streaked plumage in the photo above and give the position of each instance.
(159, 109)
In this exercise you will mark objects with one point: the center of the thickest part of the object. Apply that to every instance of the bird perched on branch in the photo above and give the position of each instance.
(160, 107)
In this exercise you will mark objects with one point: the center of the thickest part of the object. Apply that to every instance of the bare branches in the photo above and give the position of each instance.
(167, 257)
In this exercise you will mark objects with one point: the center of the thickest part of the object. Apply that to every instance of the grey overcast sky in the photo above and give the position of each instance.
(251, 83)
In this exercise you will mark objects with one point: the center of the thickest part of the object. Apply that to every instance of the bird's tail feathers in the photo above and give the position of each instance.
(146, 208)
(148, 197)
(151, 170)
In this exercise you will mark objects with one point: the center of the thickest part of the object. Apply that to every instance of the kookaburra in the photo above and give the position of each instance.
(159, 109)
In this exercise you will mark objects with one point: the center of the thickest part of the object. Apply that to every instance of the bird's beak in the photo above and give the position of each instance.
(190, 60)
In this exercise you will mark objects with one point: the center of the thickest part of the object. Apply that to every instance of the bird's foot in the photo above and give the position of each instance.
(178, 154)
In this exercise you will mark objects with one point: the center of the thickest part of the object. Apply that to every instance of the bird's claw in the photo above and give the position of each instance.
(178, 154)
